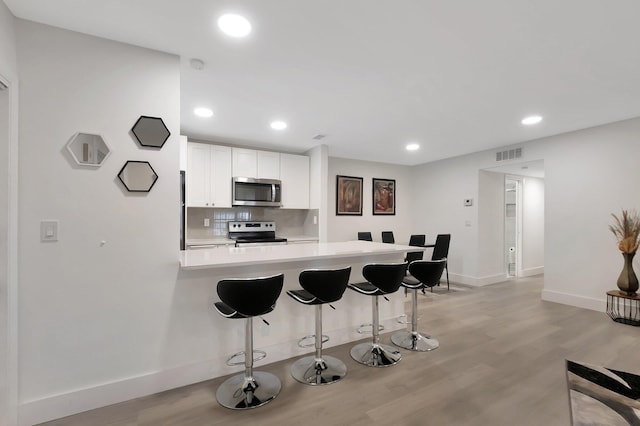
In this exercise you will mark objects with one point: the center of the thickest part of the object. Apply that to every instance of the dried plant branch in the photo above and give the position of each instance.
(627, 231)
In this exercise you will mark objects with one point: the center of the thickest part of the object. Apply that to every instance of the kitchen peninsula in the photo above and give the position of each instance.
(201, 270)
(261, 255)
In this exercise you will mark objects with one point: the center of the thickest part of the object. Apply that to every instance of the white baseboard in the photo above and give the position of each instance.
(492, 279)
(69, 403)
(477, 282)
(529, 272)
(591, 303)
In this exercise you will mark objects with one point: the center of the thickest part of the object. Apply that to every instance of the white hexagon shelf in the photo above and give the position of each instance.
(137, 176)
(88, 149)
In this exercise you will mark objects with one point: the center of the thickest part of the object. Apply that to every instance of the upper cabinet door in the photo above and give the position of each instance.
(268, 165)
(208, 175)
(220, 176)
(294, 173)
(198, 175)
(245, 163)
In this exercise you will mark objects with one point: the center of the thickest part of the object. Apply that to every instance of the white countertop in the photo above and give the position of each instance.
(208, 241)
(195, 242)
(240, 256)
(294, 238)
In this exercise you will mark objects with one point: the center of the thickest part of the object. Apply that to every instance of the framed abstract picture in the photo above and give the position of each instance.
(384, 196)
(348, 196)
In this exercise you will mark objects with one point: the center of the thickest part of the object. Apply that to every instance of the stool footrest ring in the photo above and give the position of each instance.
(367, 328)
(405, 319)
(257, 356)
(301, 343)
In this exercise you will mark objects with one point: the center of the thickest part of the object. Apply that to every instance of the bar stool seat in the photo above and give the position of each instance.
(245, 298)
(319, 287)
(381, 279)
(423, 273)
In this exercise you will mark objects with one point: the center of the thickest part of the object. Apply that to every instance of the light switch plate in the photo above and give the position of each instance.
(48, 230)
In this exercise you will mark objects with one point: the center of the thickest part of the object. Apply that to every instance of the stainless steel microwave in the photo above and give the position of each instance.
(256, 192)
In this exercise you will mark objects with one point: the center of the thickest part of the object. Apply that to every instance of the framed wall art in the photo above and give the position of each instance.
(384, 196)
(348, 196)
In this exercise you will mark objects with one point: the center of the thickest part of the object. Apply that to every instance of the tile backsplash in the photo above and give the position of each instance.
(289, 222)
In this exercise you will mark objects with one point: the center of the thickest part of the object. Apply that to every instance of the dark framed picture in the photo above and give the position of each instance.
(348, 196)
(384, 196)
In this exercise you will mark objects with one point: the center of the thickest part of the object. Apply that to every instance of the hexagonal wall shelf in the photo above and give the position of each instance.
(88, 149)
(151, 131)
(137, 176)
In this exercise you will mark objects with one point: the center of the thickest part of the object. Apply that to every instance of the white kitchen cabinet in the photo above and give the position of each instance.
(294, 174)
(256, 164)
(268, 165)
(208, 175)
(245, 162)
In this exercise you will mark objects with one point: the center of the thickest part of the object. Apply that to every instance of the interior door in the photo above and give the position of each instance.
(513, 225)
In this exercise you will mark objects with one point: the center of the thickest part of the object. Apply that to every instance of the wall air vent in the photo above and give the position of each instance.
(319, 137)
(509, 154)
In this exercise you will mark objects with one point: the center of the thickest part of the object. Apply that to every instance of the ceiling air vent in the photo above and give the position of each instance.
(319, 137)
(509, 154)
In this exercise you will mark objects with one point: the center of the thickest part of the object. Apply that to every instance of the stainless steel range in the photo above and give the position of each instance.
(254, 234)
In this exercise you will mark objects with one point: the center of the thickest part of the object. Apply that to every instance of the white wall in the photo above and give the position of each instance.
(318, 199)
(8, 219)
(588, 175)
(491, 250)
(92, 313)
(533, 226)
(4, 257)
(438, 193)
(345, 228)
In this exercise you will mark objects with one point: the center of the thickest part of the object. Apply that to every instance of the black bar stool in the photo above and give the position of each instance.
(365, 236)
(381, 279)
(423, 273)
(246, 298)
(320, 287)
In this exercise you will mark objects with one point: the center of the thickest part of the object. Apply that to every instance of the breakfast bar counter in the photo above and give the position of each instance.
(229, 256)
(201, 270)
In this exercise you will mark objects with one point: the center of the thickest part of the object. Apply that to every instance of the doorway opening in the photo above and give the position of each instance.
(513, 225)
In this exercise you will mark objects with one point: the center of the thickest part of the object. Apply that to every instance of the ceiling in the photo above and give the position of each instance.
(454, 76)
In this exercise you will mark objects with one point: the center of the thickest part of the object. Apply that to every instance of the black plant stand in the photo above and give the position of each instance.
(623, 308)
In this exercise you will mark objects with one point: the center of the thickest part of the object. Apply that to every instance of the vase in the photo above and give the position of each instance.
(628, 281)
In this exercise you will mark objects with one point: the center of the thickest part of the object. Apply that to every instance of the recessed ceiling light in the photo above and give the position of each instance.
(412, 147)
(532, 119)
(234, 25)
(203, 112)
(278, 125)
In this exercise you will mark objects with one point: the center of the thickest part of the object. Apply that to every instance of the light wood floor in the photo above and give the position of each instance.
(500, 362)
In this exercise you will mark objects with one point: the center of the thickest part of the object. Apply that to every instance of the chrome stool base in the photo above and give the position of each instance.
(240, 392)
(375, 355)
(414, 341)
(313, 371)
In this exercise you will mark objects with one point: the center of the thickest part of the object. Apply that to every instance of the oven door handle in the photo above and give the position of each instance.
(256, 244)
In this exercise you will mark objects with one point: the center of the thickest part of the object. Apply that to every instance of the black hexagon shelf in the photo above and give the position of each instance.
(137, 176)
(151, 131)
